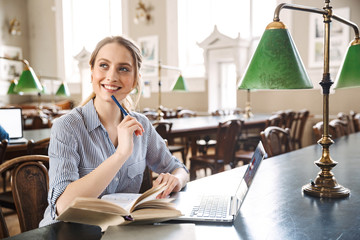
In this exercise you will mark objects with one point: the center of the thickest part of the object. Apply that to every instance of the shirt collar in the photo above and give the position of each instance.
(91, 117)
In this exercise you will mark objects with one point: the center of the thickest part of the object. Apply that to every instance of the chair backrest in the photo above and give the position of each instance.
(347, 119)
(356, 121)
(39, 147)
(147, 182)
(29, 186)
(218, 112)
(226, 137)
(338, 128)
(163, 128)
(186, 113)
(151, 115)
(287, 118)
(274, 120)
(276, 140)
(3, 146)
(318, 130)
(298, 127)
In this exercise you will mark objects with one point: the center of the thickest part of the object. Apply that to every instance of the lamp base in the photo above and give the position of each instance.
(248, 114)
(325, 188)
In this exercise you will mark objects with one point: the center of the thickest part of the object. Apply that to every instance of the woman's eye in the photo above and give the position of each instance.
(103, 65)
(123, 69)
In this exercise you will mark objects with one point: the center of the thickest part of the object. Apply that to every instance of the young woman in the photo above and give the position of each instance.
(95, 149)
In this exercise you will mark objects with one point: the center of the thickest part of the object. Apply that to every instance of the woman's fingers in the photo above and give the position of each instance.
(170, 181)
(132, 124)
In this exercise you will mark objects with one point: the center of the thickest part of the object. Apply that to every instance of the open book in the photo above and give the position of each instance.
(143, 209)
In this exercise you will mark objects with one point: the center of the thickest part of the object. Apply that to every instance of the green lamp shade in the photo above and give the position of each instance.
(28, 82)
(349, 73)
(276, 64)
(11, 88)
(180, 84)
(63, 90)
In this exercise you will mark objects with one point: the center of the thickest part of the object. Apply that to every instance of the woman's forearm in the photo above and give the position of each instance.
(91, 185)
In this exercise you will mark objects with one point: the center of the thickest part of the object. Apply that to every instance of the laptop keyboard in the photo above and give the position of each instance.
(212, 206)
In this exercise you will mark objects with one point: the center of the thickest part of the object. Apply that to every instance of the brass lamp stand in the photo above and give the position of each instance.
(276, 64)
(160, 67)
(248, 114)
(325, 185)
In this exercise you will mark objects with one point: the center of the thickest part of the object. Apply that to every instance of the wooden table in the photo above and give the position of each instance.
(17, 150)
(275, 207)
(194, 127)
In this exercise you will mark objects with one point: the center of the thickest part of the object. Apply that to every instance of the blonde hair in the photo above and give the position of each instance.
(129, 102)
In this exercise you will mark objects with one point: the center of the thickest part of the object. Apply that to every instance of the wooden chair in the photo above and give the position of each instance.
(349, 122)
(276, 140)
(4, 232)
(338, 128)
(224, 153)
(151, 115)
(250, 138)
(274, 120)
(147, 182)
(3, 146)
(287, 118)
(29, 185)
(164, 129)
(37, 122)
(39, 147)
(297, 128)
(186, 113)
(356, 120)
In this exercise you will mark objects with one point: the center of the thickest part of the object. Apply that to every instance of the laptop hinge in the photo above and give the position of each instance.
(233, 205)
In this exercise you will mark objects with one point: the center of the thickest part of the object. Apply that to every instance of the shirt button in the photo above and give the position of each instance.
(117, 179)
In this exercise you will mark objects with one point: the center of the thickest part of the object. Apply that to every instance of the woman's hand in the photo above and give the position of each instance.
(127, 127)
(171, 181)
(174, 181)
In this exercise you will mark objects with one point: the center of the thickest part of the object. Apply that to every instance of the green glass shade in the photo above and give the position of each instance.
(276, 64)
(11, 88)
(63, 90)
(180, 84)
(28, 82)
(349, 73)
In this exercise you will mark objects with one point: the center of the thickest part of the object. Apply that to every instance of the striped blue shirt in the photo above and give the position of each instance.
(79, 143)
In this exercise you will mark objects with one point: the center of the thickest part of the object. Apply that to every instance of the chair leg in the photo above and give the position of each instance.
(183, 155)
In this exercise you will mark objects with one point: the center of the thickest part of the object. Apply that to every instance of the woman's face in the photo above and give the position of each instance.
(113, 73)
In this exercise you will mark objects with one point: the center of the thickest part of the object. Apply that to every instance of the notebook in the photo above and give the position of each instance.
(227, 207)
(11, 121)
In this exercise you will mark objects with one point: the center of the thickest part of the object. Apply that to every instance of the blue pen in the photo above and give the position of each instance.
(119, 105)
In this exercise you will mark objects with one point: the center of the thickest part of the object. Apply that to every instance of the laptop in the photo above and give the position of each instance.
(11, 121)
(226, 207)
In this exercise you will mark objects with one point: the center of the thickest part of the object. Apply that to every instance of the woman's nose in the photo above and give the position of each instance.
(111, 75)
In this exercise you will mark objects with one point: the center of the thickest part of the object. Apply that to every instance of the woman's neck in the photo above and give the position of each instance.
(109, 114)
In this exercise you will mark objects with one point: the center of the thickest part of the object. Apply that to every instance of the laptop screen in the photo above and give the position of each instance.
(253, 166)
(11, 121)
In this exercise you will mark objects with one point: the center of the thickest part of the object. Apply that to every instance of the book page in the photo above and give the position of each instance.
(149, 195)
(125, 200)
(98, 205)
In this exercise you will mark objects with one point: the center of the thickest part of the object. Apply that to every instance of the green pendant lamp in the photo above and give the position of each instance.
(276, 63)
(11, 88)
(180, 84)
(63, 90)
(349, 72)
(28, 81)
